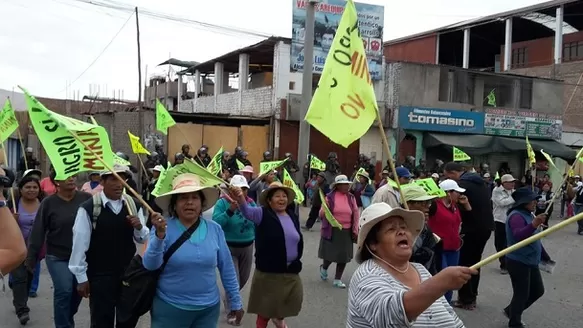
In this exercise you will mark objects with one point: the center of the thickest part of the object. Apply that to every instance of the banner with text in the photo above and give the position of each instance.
(511, 123)
(441, 120)
(328, 14)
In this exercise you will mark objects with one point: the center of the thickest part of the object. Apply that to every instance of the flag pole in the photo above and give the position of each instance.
(108, 167)
(22, 147)
(527, 241)
(11, 188)
(391, 163)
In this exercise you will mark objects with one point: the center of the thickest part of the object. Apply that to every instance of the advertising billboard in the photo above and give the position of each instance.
(511, 123)
(327, 18)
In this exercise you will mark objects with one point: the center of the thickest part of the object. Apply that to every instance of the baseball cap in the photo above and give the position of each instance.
(435, 176)
(402, 172)
(158, 168)
(239, 181)
(415, 193)
(449, 185)
(507, 178)
(487, 175)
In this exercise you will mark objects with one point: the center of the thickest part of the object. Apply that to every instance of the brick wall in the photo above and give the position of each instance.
(571, 74)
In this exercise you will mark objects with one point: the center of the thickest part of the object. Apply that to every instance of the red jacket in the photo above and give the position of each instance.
(446, 224)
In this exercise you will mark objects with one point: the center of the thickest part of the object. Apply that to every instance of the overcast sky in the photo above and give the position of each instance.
(48, 44)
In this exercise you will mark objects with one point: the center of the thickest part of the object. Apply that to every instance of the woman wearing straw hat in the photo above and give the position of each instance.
(336, 245)
(523, 264)
(195, 304)
(387, 290)
(276, 288)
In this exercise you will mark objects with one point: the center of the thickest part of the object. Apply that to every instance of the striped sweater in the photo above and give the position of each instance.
(375, 300)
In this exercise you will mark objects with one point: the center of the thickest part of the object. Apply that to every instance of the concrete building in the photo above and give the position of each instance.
(263, 112)
(541, 40)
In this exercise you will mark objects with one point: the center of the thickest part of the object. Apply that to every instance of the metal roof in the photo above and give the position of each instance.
(484, 20)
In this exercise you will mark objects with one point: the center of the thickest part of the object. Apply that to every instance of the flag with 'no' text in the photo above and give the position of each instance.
(344, 105)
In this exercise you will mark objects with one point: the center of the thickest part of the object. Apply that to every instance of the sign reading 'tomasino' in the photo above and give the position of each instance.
(441, 120)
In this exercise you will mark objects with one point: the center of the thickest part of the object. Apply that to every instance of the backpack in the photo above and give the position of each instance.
(98, 206)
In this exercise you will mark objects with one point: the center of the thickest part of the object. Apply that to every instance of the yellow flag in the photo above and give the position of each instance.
(317, 164)
(137, 147)
(8, 122)
(289, 182)
(216, 165)
(327, 213)
(548, 158)
(530, 153)
(459, 155)
(344, 105)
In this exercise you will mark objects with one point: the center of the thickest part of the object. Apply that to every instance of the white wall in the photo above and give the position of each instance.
(284, 75)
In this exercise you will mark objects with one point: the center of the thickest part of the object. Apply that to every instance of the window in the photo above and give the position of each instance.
(573, 51)
(519, 57)
(456, 86)
(292, 85)
(502, 88)
(525, 93)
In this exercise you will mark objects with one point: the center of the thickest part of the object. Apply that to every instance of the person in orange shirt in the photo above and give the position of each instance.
(46, 185)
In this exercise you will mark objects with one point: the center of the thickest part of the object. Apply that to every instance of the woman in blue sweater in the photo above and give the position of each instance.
(239, 233)
(188, 295)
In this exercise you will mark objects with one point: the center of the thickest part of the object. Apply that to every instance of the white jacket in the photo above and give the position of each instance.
(502, 201)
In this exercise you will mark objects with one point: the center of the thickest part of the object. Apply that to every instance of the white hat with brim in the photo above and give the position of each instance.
(158, 168)
(340, 179)
(186, 183)
(32, 172)
(117, 168)
(449, 185)
(375, 213)
(291, 195)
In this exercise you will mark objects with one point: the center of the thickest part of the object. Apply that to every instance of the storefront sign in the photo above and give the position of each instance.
(510, 123)
(441, 120)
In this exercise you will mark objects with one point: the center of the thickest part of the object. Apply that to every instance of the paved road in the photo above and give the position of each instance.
(325, 306)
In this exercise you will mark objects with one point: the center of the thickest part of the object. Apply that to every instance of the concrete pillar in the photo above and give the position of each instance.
(559, 35)
(226, 82)
(219, 74)
(179, 90)
(508, 45)
(243, 72)
(197, 84)
(436, 51)
(466, 49)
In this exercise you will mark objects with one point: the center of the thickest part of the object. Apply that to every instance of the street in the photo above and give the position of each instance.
(325, 306)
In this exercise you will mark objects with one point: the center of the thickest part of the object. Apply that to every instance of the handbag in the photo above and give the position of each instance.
(139, 284)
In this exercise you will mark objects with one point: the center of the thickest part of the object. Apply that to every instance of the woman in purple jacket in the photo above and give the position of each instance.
(523, 264)
(24, 213)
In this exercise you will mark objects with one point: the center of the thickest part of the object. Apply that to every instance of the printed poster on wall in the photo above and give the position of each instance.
(511, 123)
(328, 15)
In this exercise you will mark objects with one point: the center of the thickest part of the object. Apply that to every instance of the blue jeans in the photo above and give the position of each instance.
(449, 258)
(165, 315)
(65, 298)
(35, 279)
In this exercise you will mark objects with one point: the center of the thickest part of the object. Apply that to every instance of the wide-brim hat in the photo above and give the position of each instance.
(523, 196)
(291, 194)
(117, 168)
(187, 183)
(340, 179)
(32, 172)
(376, 213)
(363, 174)
(415, 193)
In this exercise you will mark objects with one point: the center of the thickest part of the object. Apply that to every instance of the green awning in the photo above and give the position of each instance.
(484, 144)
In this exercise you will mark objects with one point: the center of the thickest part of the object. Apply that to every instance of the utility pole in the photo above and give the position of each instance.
(307, 78)
(139, 109)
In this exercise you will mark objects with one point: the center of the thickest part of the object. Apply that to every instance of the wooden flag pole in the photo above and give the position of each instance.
(108, 167)
(22, 147)
(527, 241)
(391, 163)
(11, 188)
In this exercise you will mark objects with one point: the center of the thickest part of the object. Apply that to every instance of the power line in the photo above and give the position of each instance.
(100, 54)
(227, 30)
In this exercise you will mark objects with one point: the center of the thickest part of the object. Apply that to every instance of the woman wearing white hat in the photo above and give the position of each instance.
(336, 245)
(276, 290)
(387, 290)
(195, 304)
(239, 232)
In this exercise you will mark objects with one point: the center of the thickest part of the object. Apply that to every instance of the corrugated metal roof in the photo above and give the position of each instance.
(483, 20)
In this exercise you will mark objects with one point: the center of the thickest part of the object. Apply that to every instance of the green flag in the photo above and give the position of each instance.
(67, 154)
(491, 98)
(289, 182)
(265, 167)
(240, 165)
(8, 122)
(163, 118)
(216, 165)
(317, 164)
(459, 155)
